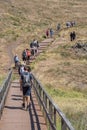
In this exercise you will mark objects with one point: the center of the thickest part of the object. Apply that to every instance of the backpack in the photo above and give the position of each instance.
(16, 59)
(26, 80)
(21, 70)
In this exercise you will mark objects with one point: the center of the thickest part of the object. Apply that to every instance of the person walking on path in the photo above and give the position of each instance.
(16, 60)
(51, 32)
(32, 48)
(58, 27)
(28, 54)
(47, 33)
(24, 55)
(26, 84)
(72, 36)
(36, 45)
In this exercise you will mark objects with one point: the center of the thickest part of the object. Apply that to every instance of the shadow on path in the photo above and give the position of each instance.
(13, 107)
(35, 115)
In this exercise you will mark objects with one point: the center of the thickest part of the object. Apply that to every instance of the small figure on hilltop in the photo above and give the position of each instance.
(47, 33)
(58, 27)
(72, 36)
(51, 32)
(70, 24)
(73, 23)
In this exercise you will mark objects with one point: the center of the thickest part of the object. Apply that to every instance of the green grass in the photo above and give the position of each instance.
(72, 103)
(62, 68)
(60, 92)
(2, 78)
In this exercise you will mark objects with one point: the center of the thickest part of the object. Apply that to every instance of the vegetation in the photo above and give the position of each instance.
(60, 68)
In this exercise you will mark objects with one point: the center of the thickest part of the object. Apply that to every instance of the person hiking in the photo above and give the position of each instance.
(47, 33)
(24, 55)
(26, 84)
(16, 60)
(58, 27)
(73, 35)
(51, 32)
(28, 54)
(68, 24)
(32, 48)
(36, 46)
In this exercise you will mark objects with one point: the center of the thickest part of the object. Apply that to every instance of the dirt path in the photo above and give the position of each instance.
(11, 49)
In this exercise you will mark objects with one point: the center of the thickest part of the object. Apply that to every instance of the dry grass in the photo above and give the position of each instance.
(21, 21)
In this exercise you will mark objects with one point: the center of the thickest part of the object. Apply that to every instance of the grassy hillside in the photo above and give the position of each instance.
(61, 69)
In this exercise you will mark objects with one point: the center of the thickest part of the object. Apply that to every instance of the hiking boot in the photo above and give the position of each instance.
(23, 104)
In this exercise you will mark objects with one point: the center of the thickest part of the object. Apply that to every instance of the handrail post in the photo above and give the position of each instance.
(55, 116)
(63, 125)
(50, 110)
(3, 91)
(40, 94)
(45, 101)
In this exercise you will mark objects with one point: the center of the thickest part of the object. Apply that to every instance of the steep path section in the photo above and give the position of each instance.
(14, 116)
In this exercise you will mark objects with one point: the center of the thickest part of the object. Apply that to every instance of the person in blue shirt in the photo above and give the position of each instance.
(16, 60)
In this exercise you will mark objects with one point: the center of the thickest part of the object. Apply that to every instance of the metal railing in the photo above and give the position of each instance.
(54, 117)
(4, 90)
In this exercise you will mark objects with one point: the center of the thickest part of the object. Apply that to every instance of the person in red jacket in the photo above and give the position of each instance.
(28, 53)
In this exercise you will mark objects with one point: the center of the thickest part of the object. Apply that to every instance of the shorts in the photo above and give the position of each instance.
(26, 91)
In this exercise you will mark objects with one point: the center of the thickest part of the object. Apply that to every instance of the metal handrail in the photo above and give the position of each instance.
(4, 90)
(50, 110)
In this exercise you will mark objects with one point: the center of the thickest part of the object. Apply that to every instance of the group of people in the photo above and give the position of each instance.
(26, 54)
(49, 33)
(25, 72)
(70, 24)
(34, 45)
(25, 81)
(72, 36)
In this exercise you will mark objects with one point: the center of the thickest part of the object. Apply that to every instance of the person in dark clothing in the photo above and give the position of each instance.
(74, 35)
(71, 36)
(47, 33)
(32, 48)
(58, 27)
(26, 84)
(51, 32)
(24, 55)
